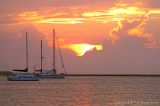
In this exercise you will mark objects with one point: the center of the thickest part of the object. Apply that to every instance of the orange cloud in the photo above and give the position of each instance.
(62, 21)
(119, 13)
(131, 15)
(138, 32)
(112, 35)
(122, 11)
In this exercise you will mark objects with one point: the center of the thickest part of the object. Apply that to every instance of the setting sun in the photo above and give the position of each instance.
(81, 49)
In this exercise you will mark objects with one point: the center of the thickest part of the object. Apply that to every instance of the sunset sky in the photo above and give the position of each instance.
(119, 36)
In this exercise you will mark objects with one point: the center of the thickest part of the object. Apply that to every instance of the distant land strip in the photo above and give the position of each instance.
(158, 75)
(5, 73)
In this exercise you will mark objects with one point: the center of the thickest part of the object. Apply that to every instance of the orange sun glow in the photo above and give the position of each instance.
(81, 49)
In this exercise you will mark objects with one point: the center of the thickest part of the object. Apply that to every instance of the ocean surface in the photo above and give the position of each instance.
(82, 91)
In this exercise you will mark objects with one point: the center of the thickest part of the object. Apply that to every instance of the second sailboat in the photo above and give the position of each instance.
(52, 73)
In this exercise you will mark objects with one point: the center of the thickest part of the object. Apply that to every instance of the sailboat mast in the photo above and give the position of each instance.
(41, 56)
(54, 52)
(27, 50)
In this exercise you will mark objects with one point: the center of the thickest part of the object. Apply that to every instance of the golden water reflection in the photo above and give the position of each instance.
(82, 91)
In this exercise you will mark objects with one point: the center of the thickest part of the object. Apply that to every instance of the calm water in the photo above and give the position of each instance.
(82, 91)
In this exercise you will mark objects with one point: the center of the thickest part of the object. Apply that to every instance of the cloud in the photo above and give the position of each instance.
(127, 56)
(76, 13)
(133, 29)
(153, 3)
(28, 5)
(8, 19)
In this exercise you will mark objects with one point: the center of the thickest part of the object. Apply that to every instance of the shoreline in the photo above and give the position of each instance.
(113, 75)
(6, 73)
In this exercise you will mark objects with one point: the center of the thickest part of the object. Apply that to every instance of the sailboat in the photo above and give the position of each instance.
(52, 73)
(23, 76)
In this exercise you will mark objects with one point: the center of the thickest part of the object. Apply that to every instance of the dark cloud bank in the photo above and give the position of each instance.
(127, 56)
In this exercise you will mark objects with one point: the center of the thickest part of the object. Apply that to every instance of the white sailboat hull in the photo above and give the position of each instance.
(50, 75)
(23, 77)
